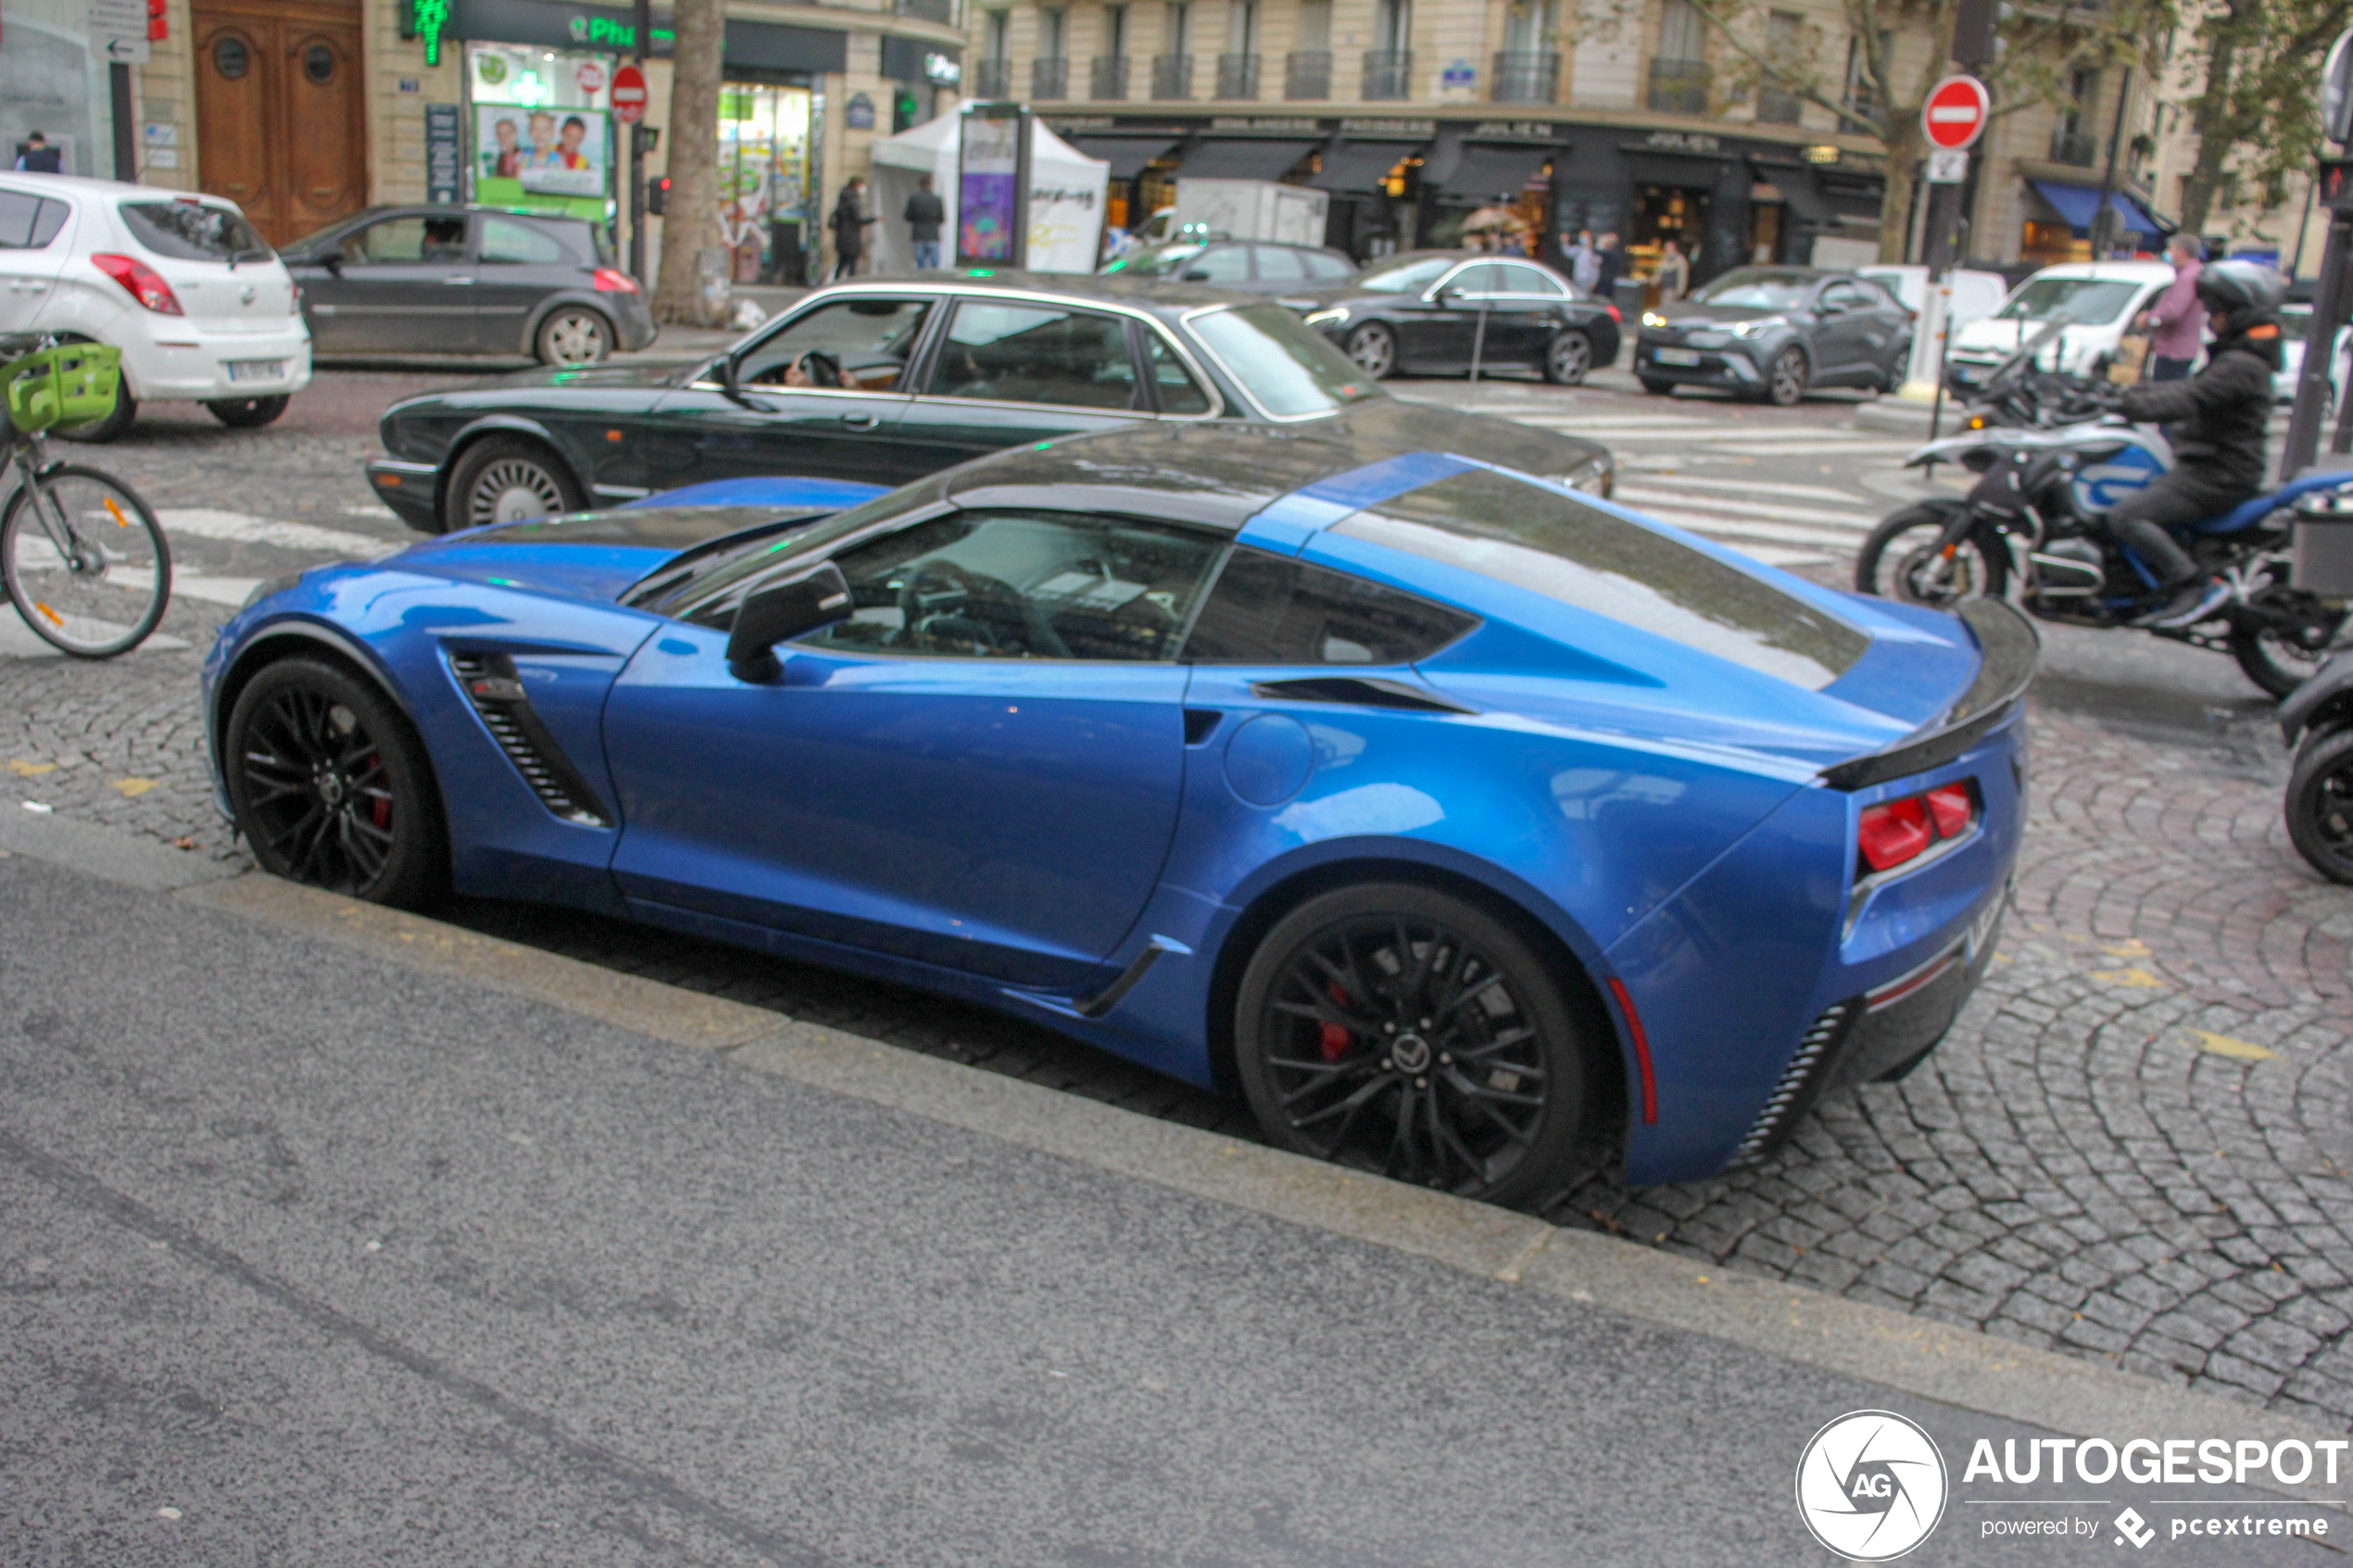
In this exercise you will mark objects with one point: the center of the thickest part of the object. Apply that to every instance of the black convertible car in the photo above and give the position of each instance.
(1432, 311)
(887, 380)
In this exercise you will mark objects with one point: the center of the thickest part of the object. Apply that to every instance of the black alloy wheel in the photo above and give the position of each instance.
(1569, 358)
(2319, 804)
(247, 413)
(508, 479)
(330, 785)
(1407, 1031)
(1785, 381)
(1374, 347)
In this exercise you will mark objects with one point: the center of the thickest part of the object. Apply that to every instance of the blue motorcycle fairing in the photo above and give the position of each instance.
(1005, 816)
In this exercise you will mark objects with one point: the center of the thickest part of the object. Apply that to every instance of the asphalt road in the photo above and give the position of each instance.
(314, 1260)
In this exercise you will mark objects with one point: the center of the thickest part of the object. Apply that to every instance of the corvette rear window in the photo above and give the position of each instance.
(1559, 546)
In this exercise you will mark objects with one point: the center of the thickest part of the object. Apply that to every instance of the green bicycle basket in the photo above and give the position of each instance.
(69, 384)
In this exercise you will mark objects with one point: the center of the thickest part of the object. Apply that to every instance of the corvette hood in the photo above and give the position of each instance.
(587, 555)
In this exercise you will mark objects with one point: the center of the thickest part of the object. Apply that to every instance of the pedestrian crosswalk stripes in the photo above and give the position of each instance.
(1844, 521)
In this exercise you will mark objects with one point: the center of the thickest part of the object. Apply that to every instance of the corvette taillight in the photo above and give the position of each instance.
(610, 281)
(140, 281)
(1896, 832)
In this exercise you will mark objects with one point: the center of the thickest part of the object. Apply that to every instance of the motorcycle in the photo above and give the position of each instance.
(2031, 529)
(2320, 787)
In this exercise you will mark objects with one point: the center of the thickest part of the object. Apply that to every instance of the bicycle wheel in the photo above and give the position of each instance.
(85, 562)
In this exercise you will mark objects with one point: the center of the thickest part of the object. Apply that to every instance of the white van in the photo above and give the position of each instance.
(200, 306)
(2099, 298)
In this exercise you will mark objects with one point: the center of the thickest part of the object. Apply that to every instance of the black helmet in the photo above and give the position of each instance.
(2246, 292)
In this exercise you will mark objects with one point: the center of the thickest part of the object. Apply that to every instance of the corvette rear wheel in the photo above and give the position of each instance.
(330, 788)
(1404, 1031)
(507, 479)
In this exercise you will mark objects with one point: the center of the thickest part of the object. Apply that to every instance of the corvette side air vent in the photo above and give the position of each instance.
(491, 684)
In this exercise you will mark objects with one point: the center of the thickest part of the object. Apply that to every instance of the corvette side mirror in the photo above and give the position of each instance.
(780, 612)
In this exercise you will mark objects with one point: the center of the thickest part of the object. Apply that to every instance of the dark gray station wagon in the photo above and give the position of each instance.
(457, 280)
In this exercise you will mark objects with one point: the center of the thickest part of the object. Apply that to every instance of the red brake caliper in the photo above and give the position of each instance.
(380, 808)
(1335, 1040)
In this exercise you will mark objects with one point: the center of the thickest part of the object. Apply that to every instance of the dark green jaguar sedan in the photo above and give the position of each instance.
(886, 380)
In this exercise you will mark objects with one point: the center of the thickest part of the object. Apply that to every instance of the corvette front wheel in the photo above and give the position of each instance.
(1407, 1032)
(330, 788)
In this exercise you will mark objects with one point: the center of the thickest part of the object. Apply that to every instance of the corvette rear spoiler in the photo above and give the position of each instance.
(2008, 650)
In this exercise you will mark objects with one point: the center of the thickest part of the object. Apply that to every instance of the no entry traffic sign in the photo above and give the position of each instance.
(629, 94)
(1955, 113)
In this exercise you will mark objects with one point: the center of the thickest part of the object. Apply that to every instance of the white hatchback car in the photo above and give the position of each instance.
(200, 306)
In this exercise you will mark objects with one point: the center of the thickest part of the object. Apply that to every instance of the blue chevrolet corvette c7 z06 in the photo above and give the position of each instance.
(1464, 823)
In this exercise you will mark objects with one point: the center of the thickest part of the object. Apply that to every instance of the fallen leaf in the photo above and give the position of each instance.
(183, 844)
(2237, 1050)
(131, 789)
(2140, 979)
(2132, 948)
(30, 769)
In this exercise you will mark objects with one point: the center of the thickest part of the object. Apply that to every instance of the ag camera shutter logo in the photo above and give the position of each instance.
(1871, 1485)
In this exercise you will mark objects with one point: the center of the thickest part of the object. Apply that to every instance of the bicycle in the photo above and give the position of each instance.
(83, 558)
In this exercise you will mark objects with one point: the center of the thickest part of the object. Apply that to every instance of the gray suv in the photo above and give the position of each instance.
(459, 280)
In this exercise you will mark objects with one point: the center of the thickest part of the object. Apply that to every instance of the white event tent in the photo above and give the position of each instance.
(1065, 196)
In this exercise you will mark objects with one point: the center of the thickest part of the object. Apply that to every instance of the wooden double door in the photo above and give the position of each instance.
(282, 125)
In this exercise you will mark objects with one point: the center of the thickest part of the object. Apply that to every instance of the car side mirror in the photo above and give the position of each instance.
(780, 612)
(1197, 275)
(332, 260)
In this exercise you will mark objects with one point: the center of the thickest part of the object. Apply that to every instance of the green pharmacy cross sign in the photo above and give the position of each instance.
(426, 19)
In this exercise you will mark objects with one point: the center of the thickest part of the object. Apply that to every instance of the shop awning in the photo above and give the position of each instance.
(2078, 204)
(1243, 158)
(1356, 168)
(1800, 192)
(1126, 154)
(1487, 172)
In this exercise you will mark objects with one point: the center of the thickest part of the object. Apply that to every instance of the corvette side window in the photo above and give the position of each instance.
(852, 345)
(1270, 609)
(1022, 585)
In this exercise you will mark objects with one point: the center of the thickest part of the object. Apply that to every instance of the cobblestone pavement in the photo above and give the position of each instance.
(2135, 1145)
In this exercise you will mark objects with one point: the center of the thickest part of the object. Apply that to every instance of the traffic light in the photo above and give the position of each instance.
(158, 25)
(902, 111)
(657, 194)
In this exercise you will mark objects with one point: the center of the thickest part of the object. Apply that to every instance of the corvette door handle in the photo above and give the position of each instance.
(859, 422)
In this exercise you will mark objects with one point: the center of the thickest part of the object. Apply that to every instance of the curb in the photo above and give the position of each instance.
(1955, 1366)
(1959, 1367)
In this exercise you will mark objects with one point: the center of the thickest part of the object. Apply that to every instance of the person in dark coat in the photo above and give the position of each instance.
(924, 214)
(849, 224)
(2219, 418)
(1612, 268)
(35, 155)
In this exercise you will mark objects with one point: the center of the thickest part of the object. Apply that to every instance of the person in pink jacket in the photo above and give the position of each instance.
(2177, 317)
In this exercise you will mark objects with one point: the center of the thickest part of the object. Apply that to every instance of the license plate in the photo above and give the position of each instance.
(257, 370)
(1674, 355)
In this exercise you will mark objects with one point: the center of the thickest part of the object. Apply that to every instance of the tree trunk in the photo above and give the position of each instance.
(2210, 113)
(1896, 204)
(691, 224)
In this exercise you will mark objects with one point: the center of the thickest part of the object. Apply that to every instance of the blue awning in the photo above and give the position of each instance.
(2078, 203)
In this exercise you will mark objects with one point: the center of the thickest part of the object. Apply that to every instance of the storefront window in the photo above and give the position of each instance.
(542, 138)
(764, 190)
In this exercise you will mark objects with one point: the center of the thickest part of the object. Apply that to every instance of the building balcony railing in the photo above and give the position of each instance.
(1307, 76)
(1388, 75)
(1777, 105)
(1107, 78)
(994, 78)
(1526, 76)
(2074, 147)
(940, 11)
(1171, 77)
(1050, 77)
(1237, 77)
(1679, 87)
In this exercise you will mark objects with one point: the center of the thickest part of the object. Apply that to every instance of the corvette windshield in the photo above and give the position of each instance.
(704, 586)
(1561, 548)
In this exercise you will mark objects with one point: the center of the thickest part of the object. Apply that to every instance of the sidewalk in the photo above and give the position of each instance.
(341, 1227)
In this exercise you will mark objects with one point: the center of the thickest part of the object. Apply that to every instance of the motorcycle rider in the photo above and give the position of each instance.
(2217, 419)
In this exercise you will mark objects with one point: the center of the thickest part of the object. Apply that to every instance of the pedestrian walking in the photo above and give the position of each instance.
(35, 155)
(849, 222)
(1674, 273)
(2177, 317)
(1583, 265)
(924, 214)
(1609, 265)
